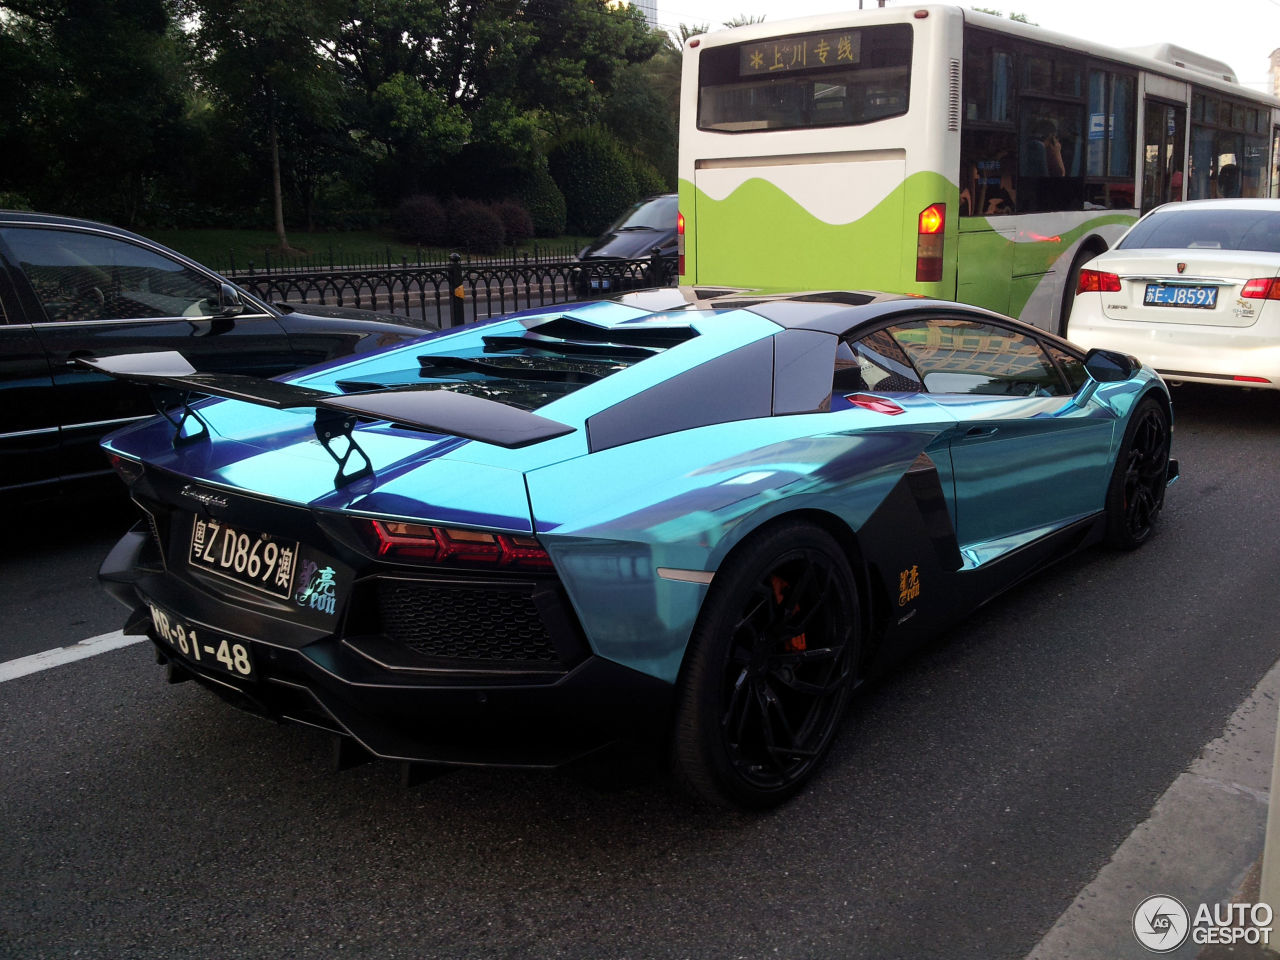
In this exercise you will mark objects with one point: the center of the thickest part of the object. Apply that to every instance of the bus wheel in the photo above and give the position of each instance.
(1073, 281)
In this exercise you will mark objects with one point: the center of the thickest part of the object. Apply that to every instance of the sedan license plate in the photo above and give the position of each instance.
(605, 283)
(1172, 295)
(255, 560)
(216, 653)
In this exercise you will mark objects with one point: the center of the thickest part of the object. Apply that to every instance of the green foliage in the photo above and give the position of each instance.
(473, 227)
(417, 123)
(485, 170)
(596, 178)
(92, 108)
(517, 225)
(648, 181)
(1015, 17)
(420, 219)
(544, 201)
(10, 200)
(180, 112)
(643, 110)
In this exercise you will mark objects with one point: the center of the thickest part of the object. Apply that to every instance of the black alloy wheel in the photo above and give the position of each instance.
(1136, 495)
(770, 669)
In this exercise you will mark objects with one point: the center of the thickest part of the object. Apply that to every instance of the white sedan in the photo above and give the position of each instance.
(1192, 289)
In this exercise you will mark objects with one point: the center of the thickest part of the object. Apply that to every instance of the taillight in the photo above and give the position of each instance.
(930, 233)
(1264, 288)
(1095, 281)
(128, 470)
(427, 543)
(680, 243)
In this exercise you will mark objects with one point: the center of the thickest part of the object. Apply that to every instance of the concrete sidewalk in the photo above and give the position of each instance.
(1202, 843)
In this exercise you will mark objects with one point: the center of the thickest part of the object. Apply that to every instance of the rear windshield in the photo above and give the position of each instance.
(1256, 230)
(832, 78)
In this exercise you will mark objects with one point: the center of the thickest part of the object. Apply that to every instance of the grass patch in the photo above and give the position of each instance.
(228, 250)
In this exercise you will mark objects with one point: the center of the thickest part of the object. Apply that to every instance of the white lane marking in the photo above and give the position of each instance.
(57, 657)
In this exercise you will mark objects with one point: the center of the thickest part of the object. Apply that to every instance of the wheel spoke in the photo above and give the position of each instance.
(786, 667)
(735, 704)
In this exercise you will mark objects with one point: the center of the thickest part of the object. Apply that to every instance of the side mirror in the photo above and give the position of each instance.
(1110, 366)
(229, 302)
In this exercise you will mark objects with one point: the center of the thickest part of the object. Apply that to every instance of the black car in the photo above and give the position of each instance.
(612, 261)
(73, 288)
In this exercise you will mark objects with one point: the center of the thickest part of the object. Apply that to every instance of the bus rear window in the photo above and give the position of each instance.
(826, 79)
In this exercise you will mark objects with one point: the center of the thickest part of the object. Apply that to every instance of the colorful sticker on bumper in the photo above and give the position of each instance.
(319, 588)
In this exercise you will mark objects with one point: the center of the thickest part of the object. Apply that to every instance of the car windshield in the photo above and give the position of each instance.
(658, 213)
(1213, 229)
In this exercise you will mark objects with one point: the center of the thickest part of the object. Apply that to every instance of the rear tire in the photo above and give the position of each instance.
(769, 669)
(1135, 495)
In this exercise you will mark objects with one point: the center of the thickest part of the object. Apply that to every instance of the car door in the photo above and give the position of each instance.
(28, 426)
(91, 293)
(1030, 451)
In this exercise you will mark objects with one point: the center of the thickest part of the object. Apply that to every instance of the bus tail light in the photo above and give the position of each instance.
(680, 243)
(930, 234)
(1095, 281)
(1263, 288)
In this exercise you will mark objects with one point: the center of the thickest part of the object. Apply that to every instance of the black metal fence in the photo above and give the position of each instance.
(336, 258)
(457, 293)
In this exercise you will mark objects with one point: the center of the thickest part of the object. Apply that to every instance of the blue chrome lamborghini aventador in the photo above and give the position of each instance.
(673, 515)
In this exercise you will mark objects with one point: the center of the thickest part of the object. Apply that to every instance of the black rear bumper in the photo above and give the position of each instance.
(399, 707)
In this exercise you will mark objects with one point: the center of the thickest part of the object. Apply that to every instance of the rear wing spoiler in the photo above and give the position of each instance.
(429, 410)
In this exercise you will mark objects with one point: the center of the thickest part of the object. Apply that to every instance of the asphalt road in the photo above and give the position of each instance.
(970, 796)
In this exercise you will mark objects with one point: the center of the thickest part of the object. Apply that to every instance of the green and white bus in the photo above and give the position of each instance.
(939, 151)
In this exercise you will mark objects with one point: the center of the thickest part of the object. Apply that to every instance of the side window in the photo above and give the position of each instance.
(875, 363)
(1072, 367)
(85, 276)
(963, 356)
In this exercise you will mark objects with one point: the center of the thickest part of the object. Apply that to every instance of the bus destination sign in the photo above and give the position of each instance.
(810, 51)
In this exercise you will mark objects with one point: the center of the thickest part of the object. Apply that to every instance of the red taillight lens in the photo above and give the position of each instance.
(680, 243)
(1095, 281)
(1264, 288)
(427, 543)
(128, 470)
(930, 235)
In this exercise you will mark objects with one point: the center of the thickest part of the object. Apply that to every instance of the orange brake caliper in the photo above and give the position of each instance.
(796, 644)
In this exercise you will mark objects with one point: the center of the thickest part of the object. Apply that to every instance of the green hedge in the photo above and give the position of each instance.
(595, 175)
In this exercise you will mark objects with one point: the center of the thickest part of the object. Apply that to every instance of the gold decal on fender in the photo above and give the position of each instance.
(908, 585)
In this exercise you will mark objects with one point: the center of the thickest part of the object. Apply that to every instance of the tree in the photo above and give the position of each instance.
(262, 57)
(423, 78)
(1015, 17)
(93, 106)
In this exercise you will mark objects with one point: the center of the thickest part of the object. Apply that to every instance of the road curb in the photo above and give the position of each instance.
(1199, 843)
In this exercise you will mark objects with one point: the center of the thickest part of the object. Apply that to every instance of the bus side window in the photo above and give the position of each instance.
(987, 184)
(1051, 175)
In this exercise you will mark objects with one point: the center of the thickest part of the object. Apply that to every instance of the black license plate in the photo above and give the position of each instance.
(220, 654)
(1172, 295)
(255, 560)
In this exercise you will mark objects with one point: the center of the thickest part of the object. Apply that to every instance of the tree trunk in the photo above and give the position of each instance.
(277, 195)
